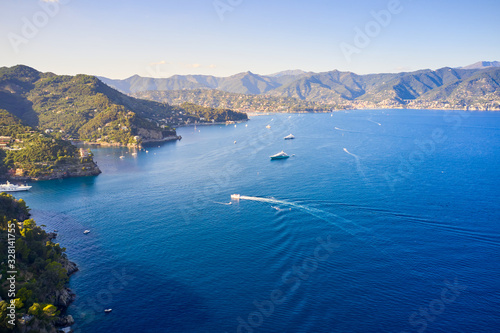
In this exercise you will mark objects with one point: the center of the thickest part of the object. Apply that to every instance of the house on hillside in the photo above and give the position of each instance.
(5, 141)
(84, 153)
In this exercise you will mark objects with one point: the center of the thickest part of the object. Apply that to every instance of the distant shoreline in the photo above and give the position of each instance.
(231, 122)
(264, 113)
(119, 145)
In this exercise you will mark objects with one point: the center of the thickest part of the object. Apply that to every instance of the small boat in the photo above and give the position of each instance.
(86, 232)
(134, 154)
(122, 157)
(234, 141)
(8, 187)
(289, 137)
(235, 197)
(279, 156)
(268, 126)
(108, 310)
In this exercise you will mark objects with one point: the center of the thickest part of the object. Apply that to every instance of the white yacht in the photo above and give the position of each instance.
(289, 137)
(8, 187)
(280, 156)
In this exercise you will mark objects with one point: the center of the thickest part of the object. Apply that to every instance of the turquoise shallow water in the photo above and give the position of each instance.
(382, 221)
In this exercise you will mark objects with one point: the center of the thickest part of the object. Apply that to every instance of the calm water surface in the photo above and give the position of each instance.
(382, 221)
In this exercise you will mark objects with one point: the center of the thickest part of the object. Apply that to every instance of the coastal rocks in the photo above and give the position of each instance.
(166, 138)
(83, 169)
(64, 297)
(150, 135)
(64, 321)
(70, 267)
(36, 325)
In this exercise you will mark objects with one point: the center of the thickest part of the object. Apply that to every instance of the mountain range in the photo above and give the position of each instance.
(476, 86)
(84, 108)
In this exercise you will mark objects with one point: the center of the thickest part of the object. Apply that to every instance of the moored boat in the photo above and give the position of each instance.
(8, 187)
(279, 156)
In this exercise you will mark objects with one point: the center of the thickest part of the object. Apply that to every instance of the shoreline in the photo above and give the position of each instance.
(230, 122)
(129, 145)
(264, 113)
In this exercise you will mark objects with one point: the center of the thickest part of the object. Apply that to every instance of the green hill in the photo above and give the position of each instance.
(82, 107)
(42, 272)
(31, 154)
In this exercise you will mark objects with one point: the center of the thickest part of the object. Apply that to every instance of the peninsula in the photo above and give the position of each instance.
(33, 291)
(84, 108)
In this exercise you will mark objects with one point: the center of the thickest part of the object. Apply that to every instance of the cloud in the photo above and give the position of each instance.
(195, 65)
(212, 66)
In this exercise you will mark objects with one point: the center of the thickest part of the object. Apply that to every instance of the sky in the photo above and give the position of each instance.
(161, 38)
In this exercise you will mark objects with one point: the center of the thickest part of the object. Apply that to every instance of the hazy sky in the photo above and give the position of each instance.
(160, 38)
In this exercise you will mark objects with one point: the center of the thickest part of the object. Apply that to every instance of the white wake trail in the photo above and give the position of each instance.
(374, 122)
(358, 163)
(346, 225)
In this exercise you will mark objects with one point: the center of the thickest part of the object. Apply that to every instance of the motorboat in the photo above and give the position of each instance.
(289, 137)
(8, 187)
(279, 156)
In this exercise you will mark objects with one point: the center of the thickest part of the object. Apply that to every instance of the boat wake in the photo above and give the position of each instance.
(279, 209)
(374, 122)
(224, 203)
(358, 163)
(349, 131)
(359, 232)
(342, 223)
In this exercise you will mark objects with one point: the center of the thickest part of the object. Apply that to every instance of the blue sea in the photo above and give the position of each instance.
(380, 221)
